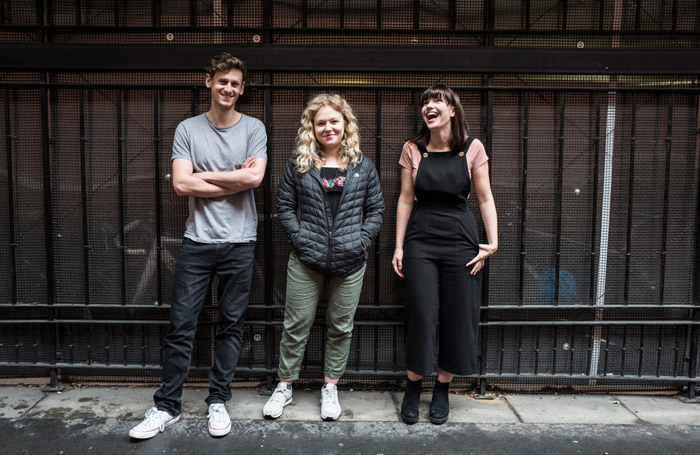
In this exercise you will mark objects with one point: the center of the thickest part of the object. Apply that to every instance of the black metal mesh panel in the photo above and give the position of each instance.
(28, 188)
(18, 13)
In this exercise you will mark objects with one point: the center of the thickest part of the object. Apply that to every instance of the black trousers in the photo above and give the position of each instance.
(443, 293)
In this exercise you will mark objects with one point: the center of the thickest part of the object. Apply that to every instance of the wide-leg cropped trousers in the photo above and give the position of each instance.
(441, 298)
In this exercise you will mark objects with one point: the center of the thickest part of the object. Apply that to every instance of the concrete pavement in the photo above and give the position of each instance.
(97, 419)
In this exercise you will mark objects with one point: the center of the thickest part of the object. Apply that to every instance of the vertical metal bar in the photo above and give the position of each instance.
(341, 13)
(607, 350)
(520, 349)
(640, 361)
(305, 14)
(416, 14)
(2, 12)
(667, 184)
(489, 21)
(229, 11)
(193, 13)
(537, 348)
(453, 14)
(71, 344)
(484, 317)
(116, 13)
(380, 11)
(564, 13)
(527, 14)
(269, 204)
(601, 14)
(40, 21)
(589, 349)
(572, 340)
(120, 188)
(523, 199)
(9, 137)
(623, 354)
(155, 13)
(268, 21)
(501, 343)
(156, 163)
(78, 19)
(560, 189)
(658, 351)
(594, 201)
(417, 119)
(125, 344)
(630, 200)
(84, 198)
(555, 343)
(676, 350)
(377, 245)
(395, 350)
(47, 189)
(638, 16)
(674, 15)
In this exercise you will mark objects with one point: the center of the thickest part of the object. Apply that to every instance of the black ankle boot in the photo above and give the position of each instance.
(440, 406)
(411, 401)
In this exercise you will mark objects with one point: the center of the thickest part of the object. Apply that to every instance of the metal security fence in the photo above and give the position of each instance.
(576, 171)
(593, 166)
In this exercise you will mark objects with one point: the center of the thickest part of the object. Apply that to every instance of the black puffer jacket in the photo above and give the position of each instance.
(331, 247)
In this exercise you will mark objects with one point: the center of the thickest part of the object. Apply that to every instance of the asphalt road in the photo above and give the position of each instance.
(189, 436)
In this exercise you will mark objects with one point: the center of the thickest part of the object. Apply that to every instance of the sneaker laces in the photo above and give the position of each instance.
(153, 416)
(330, 394)
(278, 395)
(217, 411)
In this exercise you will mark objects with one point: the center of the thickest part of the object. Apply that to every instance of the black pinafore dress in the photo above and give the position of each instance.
(441, 238)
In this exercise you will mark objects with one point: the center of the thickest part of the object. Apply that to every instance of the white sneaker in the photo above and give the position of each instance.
(280, 398)
(330, 407)
(219, 421)
(154, 422)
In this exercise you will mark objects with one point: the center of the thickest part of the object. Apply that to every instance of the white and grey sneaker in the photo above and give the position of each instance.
(219, 421)
(154, 422)
(280, 398)
(330, 407)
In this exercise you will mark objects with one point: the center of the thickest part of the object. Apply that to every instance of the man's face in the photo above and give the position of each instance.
(225, 88)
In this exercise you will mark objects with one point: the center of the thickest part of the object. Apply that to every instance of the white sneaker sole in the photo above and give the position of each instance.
(218, 432)
(275, 416)
(149, 434)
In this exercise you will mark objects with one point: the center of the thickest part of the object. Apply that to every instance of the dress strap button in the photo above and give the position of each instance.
(461, 153)
(425, 155)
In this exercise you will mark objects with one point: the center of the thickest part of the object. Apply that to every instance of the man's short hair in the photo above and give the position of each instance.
(225, 62)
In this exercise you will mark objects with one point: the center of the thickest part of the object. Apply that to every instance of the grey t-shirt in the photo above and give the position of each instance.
(226, 219)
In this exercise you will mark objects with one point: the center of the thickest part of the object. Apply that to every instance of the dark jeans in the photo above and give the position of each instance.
(196, 265)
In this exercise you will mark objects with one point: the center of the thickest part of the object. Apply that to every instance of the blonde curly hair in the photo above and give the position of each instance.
(308, 150)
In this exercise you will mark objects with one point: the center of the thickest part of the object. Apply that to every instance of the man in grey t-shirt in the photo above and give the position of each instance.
(218, 158)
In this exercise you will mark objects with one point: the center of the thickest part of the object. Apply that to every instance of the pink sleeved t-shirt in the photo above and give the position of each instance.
(410, 157)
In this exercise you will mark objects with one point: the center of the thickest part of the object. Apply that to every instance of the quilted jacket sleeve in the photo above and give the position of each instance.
(373, 207)
(287, 203)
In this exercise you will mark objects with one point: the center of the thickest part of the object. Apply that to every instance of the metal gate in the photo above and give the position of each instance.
(593, 166)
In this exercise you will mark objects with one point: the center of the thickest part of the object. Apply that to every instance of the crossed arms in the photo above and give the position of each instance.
(216, 184)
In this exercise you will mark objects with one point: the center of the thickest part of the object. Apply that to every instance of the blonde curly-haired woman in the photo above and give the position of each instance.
(330, 206)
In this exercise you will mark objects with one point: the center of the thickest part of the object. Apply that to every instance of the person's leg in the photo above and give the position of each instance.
(235, 272)
(191, 280)
(303, 291)
(459, 319)
(343, 297)
(460, 299)
(420, 326)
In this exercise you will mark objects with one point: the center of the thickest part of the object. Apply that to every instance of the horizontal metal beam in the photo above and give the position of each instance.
(101, 57)
(491, 377)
